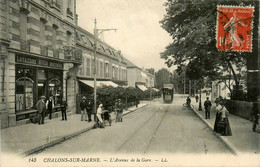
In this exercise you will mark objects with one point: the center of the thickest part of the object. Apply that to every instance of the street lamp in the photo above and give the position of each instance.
(97, 32)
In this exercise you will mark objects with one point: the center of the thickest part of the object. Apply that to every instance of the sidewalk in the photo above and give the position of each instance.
(29, 138)
(243, 139)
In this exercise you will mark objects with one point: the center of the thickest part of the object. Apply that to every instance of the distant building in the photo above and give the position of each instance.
(138, 77)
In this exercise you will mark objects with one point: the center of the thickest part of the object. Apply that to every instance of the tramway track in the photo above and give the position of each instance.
(143, 125)
(166, 111)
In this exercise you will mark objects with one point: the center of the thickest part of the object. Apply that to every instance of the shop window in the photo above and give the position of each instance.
(42, 79)
(55, 90)
(24, 98)
(55, 86)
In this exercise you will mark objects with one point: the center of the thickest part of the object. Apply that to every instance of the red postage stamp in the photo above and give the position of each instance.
(234, 28)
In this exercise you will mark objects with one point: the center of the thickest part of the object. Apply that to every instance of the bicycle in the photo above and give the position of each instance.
(186, 106)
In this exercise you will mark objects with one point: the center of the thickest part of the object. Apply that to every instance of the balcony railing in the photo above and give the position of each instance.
(25, 45)
(72, 53)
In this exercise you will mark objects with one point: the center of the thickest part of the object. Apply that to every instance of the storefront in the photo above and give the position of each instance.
(35, 77)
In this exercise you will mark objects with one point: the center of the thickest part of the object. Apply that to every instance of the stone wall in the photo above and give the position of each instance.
(240, 108)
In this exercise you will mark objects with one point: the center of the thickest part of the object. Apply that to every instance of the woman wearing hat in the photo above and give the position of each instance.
(218, 116)
(224, 117)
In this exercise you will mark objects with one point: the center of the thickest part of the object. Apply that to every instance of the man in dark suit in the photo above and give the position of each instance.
(50, 105)
(90, 104)
(207, 105)
(41, 107)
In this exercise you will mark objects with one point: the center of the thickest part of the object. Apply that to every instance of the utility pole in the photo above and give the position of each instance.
(97, 32)
(190, 93)
(184, 88)
(200, 84)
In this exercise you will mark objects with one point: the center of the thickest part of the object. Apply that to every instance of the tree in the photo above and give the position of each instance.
(162, 77)
(192, 27)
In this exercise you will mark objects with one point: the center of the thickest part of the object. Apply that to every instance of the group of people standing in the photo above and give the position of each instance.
(86, 106)
(222, 125)
(44, 107)
(118, 108)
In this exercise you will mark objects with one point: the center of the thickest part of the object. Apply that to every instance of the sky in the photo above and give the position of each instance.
(139, 35)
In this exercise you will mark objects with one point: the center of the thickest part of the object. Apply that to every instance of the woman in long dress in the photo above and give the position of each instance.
(224, 117)
(218, 116)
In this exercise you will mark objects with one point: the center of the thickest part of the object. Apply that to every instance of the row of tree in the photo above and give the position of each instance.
(107, 95)
(192, 25)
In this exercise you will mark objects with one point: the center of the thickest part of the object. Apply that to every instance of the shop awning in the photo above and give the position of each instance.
(142, 87)
(156, 90)
(99, 83)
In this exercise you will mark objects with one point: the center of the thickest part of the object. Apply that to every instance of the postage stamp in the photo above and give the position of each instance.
(234, 28)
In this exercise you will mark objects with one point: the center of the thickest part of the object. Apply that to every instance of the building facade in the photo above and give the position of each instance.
(138, 77)
(38, 56)
(110, 64)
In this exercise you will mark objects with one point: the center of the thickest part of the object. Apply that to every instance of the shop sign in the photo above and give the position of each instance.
(26, 60)
(56, 65)
(41, 62)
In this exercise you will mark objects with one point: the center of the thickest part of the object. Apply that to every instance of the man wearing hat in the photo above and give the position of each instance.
(83, 106)
(207, 106)
(89, 106)
(119, 110)
(40, 106)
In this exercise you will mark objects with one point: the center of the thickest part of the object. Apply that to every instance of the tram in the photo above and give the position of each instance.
(168, 93)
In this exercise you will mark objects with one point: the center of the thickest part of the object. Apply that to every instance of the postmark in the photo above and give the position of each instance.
(234, 28)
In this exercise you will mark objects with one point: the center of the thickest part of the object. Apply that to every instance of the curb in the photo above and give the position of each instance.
(135, 109)
(39, 148)
(224, 140)
(64, 138)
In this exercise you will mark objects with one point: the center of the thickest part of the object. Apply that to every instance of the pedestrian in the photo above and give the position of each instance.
(50, 105)
(197, 98)
(83, 108)
(119, 111)
(255, 113)
(224, 117)
(218, 116)
(90, 104)
(99, 115)
(207, 106)
(188, 101)
(136, 101)
(41, 107)
(63, 107)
